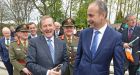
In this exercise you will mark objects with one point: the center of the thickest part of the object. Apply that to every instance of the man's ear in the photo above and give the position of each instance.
(103, 15)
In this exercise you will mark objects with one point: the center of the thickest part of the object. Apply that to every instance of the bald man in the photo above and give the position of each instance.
(58, 29)
(4, 46)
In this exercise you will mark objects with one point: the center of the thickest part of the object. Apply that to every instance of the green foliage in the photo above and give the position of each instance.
(119, 17)
(55, 10)
(52, 8)
(81, 17)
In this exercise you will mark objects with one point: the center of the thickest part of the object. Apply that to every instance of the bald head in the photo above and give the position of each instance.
(6, 32)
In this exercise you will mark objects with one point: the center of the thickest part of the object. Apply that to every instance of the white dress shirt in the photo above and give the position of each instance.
(101, 30)
(52, 42)
(33, 36)
(9, 40)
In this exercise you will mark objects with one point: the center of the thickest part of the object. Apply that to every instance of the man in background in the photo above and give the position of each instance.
(4, 49)
(71, 42)
(129, 34)
(58, 29)
(33, 30)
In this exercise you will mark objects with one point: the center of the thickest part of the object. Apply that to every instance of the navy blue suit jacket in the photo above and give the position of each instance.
(136, 44)
(39, 57)
(3, 50)
(109, 47)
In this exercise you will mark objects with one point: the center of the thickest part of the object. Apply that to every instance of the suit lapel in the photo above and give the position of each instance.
(125, 35)
(56, 45)
(134, 36)
(3, 41)
(88, 41)
(46, 48)
(103, 41)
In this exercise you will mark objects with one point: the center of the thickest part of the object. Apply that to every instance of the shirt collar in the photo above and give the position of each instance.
(8, 39)
(102, 30)
(33, 36)
(52, 38)
(131, 28)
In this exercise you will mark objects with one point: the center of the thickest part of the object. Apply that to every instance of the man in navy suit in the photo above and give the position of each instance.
(4, 45)
(98, 45)
(46, 52)
(129, 34)
(33, 30)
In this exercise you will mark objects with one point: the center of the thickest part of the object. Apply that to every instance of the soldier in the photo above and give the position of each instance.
(18, 51)
(71, 41)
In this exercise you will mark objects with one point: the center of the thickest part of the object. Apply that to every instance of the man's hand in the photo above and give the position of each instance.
(52, 72)
(126, 45)
(26, 71)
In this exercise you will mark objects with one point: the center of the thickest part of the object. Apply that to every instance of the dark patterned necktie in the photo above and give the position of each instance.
(130, 31)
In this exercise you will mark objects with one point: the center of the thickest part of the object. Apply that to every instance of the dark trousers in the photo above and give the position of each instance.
(132, 69)
(9, 67)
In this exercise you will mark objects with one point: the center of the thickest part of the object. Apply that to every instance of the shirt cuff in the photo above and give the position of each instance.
(47, 72)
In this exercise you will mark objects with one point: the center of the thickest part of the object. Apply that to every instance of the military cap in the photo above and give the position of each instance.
(21, 28)
(69, 22)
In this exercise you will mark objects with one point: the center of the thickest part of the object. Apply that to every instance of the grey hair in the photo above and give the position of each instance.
(5, 29)
(102, 7)
(129, 15)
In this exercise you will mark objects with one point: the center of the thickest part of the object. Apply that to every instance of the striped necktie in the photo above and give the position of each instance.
(49, 41)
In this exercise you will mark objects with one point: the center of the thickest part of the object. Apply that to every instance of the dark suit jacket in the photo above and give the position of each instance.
(29, 37)
(61, 32)
(3, 50)
(136, 45)
(39, 57)
(109, 47)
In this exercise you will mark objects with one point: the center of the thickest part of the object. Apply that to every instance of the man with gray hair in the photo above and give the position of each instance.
(58, 29)
(129, 34)
(98, 45)
(4, 47)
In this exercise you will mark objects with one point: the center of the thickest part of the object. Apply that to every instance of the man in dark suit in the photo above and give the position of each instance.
(4, 47)
(58, 29)
(33, 30)
(129, 34)
(98, 45)
(46, 52)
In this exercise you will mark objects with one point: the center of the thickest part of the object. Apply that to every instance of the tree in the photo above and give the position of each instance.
(81, 16)
(1, 12)
(19, 10)
(50, 7)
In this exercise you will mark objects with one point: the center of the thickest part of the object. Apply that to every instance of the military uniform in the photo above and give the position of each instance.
(17, 54)
(72, 43)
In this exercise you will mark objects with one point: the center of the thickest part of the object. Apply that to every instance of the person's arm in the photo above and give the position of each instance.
(13, 59)
(31, 60)
(1, 50)
(78, 55)
(65, 59)
(118, 57)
